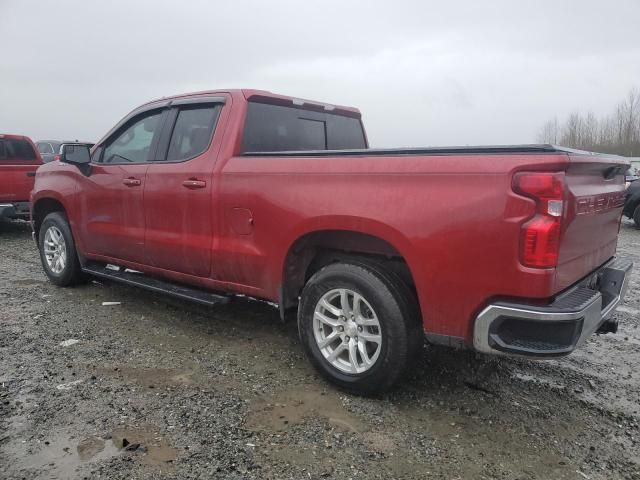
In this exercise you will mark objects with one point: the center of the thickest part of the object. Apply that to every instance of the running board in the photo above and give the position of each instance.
(136, 279)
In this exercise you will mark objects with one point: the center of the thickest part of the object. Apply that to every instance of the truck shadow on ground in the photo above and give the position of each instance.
(14, 228)
(245, 322)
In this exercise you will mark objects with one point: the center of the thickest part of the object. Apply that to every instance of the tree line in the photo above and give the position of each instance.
(617, 133)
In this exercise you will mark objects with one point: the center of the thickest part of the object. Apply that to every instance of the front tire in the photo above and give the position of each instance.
(359, 326)
(58, 251)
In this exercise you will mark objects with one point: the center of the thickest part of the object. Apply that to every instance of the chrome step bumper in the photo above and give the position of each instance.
(558, 328)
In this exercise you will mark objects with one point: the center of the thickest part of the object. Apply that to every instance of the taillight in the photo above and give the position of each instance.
(540, 240)
(56, 158)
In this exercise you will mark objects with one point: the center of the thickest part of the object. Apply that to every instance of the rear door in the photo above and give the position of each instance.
(112, 200)
(596, 190)
(178, 192)
(18, 163)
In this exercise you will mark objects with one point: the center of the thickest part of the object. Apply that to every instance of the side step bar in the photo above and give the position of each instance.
(129, 277)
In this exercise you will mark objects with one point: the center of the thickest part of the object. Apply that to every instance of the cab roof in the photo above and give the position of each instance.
(267, 97)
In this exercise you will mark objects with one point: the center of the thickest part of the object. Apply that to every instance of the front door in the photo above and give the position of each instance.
(178, 192)
(111, 196)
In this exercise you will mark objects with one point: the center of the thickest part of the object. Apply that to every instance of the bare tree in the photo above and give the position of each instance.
(571, 131)
(628, 114)
(549, 133)
(589, 131)
(618, 133)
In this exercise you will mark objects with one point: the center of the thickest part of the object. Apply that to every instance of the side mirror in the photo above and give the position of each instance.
(78, 155)
(75, 154)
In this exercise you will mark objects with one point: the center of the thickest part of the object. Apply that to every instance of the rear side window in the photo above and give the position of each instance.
(192, 132)
(273, 128)
(16, 150)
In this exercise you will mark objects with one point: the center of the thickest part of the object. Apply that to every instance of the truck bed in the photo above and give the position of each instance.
(452, 150)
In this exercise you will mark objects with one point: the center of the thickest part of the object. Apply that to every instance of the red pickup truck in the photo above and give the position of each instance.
(505, 249)
(19, 160)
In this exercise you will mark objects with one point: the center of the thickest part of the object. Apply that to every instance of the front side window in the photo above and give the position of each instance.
(192, 132)
(133, 144)
(45, 148)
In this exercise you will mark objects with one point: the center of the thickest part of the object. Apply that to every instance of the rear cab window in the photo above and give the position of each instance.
(271, 127)
(17, 150)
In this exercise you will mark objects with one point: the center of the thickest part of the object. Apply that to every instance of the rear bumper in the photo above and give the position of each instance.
(560, 327)
(14, 210)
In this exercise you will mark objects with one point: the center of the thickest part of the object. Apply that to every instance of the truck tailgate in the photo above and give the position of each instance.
(596, 187)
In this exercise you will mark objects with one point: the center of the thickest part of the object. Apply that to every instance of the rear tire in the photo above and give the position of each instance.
(369, 352)
(636, 216)
(58, 251)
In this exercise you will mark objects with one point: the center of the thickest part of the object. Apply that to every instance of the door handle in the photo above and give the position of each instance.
(193, 183)
(31, 174)
(132, 182)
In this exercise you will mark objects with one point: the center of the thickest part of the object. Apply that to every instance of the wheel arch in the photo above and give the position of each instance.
(329, 240)
(42, 207)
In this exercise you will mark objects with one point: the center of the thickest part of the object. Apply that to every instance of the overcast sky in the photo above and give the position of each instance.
(422, 73)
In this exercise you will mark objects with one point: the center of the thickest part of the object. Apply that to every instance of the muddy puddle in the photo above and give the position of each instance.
(63, 456)
(153, 446)
(464, 433)
(295, 406)
(60, 456)
(489, 442)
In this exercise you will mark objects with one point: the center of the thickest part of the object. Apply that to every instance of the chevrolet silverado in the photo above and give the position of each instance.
(211, 194)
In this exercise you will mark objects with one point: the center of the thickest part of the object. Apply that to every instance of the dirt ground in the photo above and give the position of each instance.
(159, 388)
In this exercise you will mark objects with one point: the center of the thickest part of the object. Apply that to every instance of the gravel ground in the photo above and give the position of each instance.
(158, 388)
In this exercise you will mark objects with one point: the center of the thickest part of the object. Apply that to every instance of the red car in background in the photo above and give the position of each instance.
(19, 160)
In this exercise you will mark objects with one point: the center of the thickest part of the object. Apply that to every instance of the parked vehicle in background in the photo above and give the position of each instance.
(247, 192)
(19, 160)
(50, 150)
(632, 202)
(631, 176)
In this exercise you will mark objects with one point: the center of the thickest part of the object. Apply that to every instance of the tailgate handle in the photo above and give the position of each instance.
(193, 183)
(31, 174)
(132, 182)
